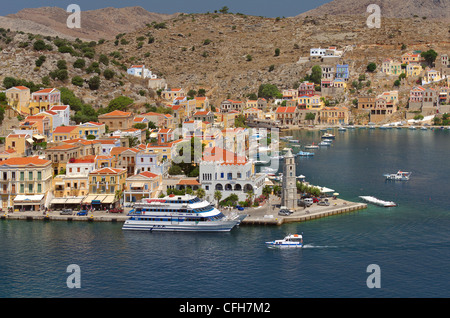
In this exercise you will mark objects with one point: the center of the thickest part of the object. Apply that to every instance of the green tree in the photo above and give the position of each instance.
(120, 103)
(77, 81)
(80, 63)
(39, 45)
(108, 74)
(217, 196)
(277, 52)
(316, 74)
(200, 193)
(94, 83)
(371, 67)
(103, 59)
(268, 91)
(224, 10)
(429, 56)
(61, 65)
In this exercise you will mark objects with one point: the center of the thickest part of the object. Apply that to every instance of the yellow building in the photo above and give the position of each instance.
(91, 128)
(431, 76)
(43, 100)
(142, 185)
(413, 70)
(106, 186)
(21, 143)
(24, 183)
(62, 133)
(201, 103)
(310, 102)
(19, 97)
(334, 115)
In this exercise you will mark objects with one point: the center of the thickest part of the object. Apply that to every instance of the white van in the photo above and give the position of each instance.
(308, 201)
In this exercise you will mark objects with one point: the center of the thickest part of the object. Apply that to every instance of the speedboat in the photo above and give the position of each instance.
(400, 175)
(342, 129)
(373, 200)
(305, 153)
(290, 241)
(325, 143)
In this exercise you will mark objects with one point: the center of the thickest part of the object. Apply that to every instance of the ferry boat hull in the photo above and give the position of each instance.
(171, 226)
(184, 213)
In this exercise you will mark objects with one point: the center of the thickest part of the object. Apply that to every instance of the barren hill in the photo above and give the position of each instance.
(229, 55)
(212, 51)
(389, 8)
(95, 24)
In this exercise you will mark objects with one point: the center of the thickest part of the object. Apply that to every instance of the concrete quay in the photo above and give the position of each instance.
(268, 214)
(55, 216)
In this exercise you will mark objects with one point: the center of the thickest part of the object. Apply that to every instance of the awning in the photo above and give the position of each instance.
(109, 199)
(38, 137)
(30, 140)
(30, 199)
(89, 198)
(137, 185)
(76, 200)
(58, 201)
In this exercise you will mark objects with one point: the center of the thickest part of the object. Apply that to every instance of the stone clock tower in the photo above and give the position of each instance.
(289, 184)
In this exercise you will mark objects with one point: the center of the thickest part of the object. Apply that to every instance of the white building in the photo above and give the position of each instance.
(80, 167)
(63, 112)
(141, 71)
(224, 171)
(151, 162)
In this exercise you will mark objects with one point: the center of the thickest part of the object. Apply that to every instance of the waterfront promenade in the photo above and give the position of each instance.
(266, 214)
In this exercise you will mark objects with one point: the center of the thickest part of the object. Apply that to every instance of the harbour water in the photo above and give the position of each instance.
(409, 242)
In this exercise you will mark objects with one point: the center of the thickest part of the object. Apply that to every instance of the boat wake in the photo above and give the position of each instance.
(316, 246)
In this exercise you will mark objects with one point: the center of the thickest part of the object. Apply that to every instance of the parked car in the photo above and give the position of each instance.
(116, 211)
(240, 208)
(66, 212)
(308, 201)
(315, 200)
(82, 213)
(326, 203)
(284, 211)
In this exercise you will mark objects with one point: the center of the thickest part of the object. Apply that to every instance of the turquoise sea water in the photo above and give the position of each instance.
(409, 243)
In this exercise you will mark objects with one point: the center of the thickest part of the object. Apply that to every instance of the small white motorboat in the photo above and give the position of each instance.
(290, 241)
(312, 146)
(328, 136)
(400, 175)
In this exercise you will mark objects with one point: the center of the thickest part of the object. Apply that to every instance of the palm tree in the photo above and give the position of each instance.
(217, 196)
(201, 193)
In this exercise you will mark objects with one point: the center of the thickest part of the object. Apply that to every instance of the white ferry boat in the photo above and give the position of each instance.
(179, 213)
(290, 241)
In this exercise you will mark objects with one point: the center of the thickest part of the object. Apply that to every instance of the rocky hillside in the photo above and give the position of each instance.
(95, 24)
(389, 8)
(229, 55)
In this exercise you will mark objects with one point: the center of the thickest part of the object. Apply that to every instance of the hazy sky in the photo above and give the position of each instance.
(268, 8)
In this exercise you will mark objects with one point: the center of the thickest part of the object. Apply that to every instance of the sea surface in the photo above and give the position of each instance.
(409, 243)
